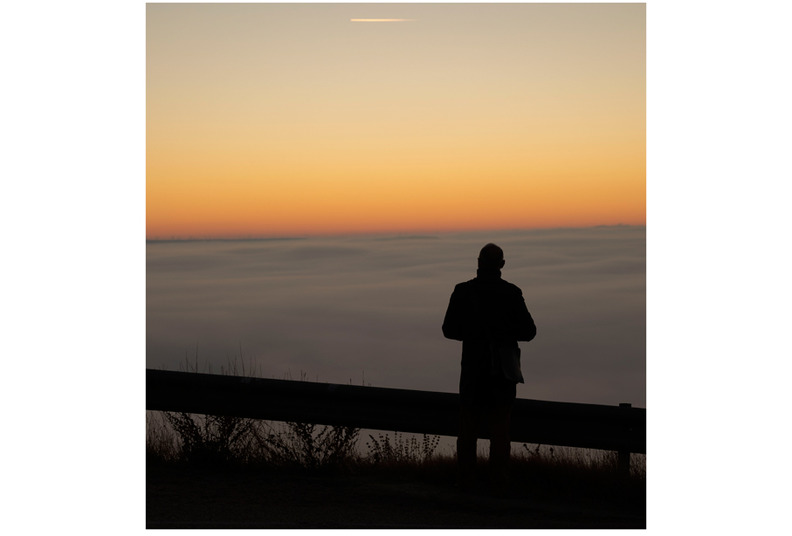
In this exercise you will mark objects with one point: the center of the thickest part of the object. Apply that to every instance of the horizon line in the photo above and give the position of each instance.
(389, 234)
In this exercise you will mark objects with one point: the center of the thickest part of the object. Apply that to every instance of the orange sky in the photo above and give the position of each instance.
(271, 120)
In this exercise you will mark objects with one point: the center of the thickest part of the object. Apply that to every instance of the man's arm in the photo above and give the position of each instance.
(453, 324)
(526, 329)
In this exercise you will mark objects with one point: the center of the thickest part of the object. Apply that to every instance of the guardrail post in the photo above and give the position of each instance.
(624, 452)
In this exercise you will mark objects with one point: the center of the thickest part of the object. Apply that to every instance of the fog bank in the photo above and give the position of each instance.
(368, 310)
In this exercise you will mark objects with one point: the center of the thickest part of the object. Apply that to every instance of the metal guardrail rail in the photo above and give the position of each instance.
(619, 428)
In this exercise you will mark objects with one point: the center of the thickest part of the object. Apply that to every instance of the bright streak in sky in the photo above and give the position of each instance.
(381, 20)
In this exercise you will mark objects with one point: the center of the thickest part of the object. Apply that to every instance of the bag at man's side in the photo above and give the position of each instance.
(505, 362)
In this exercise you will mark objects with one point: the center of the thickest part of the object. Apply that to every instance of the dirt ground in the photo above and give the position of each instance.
(178, 497)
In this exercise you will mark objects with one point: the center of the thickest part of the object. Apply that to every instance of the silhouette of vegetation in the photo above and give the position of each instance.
(218, 440)
(306, 445)
(202, 440)
(212, 438)
(257, 457)
(400, 450)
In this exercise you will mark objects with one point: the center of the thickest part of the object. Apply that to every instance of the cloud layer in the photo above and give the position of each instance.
(369, 310)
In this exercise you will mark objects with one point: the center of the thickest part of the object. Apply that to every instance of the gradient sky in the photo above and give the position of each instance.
(271, 120)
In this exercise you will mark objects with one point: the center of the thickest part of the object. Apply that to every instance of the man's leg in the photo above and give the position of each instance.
(466, 445)
(500, 444)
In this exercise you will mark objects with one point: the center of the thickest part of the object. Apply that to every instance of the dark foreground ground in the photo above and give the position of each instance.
(182, 497)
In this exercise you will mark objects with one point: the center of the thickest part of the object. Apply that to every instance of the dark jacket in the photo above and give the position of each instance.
(483, 310)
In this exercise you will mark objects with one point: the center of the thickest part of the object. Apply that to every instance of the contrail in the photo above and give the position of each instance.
(381, 20)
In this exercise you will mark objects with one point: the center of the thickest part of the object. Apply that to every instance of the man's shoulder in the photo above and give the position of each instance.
(471, 284)
(464, 285)
(511, 286)
(509, 289)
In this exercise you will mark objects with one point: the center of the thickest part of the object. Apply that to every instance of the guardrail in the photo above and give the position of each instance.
(619, 428)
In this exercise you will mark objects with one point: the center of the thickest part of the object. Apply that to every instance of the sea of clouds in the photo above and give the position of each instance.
(368, 310)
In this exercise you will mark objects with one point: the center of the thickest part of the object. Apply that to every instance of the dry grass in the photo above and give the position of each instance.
(203, 441)
(253, 474)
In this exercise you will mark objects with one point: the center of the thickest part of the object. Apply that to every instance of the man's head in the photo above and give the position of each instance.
(491, 257)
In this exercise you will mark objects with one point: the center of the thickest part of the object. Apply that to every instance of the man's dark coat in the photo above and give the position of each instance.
(483, 310)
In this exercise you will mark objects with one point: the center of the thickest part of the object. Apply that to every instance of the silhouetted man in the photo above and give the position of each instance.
(489, 316)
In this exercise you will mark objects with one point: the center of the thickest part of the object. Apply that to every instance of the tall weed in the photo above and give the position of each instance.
(211, 438)
(384, 450)
(307, 445)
